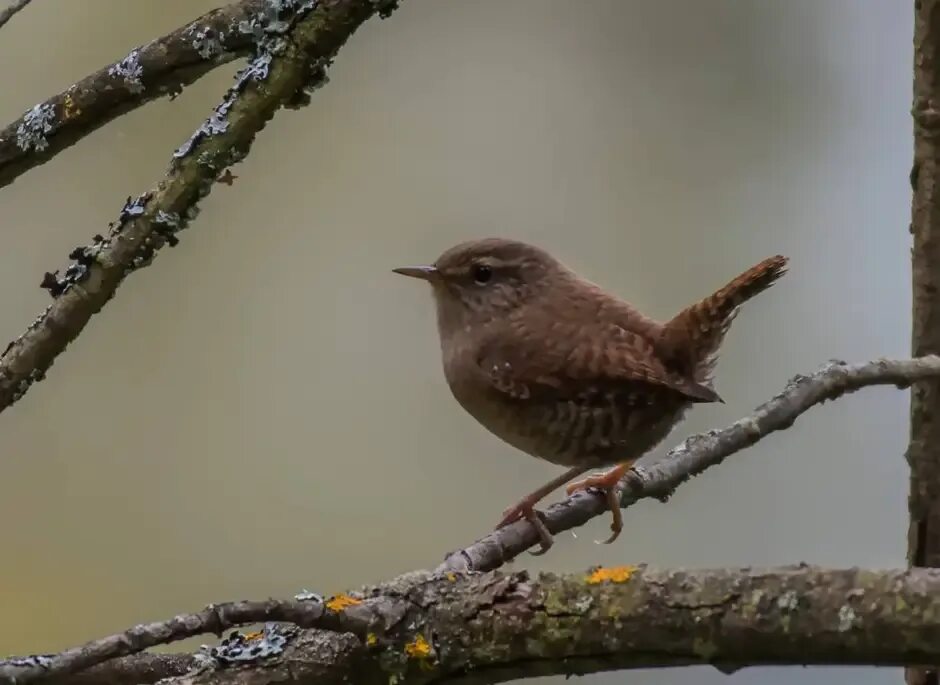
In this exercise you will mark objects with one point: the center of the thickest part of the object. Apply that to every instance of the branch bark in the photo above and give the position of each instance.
(292, 59)
(493, 627)
(161, 67)
(7, 13)
(333, 656)
(923, 454)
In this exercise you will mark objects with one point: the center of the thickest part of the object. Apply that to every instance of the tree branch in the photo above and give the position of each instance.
(292, 59)
(923, 454)
(215, 619)
(696, 454)
(492, 627)
(161, 67)
(14, 7)
(369, 613)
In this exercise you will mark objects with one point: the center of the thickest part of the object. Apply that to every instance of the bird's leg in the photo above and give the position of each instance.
(607, 483)
(525, 508)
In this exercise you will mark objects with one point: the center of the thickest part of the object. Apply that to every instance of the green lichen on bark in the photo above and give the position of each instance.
(492, 627)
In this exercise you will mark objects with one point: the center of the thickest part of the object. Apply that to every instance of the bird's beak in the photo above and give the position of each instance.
(425, 273)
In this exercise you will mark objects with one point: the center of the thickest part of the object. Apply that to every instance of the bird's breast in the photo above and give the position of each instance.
(594, 430)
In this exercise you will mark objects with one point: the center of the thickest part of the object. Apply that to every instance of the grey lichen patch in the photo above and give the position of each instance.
(307, 596)
(251, 27)
(241, 648)
(36, 125)
(274, 21)
(32, 661)
(84, 256)
(167, 224)
(788, 601)
(280, 15)
(207, 42)
(215, 124)
(130, 72)
(257, 70)
(848, 619)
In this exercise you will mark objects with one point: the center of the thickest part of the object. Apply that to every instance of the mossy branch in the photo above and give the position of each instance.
(493, 627)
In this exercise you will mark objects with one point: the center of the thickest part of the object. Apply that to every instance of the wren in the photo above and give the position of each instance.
(566, 372)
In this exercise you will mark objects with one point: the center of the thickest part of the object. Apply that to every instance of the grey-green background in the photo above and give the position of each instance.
(263, 410)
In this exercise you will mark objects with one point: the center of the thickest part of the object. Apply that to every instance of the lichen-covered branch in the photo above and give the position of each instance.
(296, 39)
(161, 67)
(493, 627)
(366, 614)
(7, 12)
(215, 618)
(696, 454)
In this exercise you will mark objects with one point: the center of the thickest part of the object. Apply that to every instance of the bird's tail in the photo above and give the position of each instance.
(692, 338)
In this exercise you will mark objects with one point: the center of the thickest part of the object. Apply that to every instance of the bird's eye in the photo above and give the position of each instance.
(482, 273)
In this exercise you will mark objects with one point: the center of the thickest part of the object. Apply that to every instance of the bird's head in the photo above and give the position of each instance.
(482, 280)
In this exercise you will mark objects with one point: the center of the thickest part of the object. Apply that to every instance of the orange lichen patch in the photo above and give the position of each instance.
(340, 602)
(69, 108)
(257, 635)
(371, 640)
(418, 648)
(452, 577)
(614, 574)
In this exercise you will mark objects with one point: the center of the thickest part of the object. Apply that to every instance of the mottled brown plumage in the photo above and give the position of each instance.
(566, 372)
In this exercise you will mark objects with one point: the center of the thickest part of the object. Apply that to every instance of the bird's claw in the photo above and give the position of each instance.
(526, 510)
(607, 484)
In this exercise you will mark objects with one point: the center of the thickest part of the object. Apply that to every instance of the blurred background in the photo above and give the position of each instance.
(264, 410)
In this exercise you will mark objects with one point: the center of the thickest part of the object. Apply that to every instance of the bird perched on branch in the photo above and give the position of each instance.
(566, 372)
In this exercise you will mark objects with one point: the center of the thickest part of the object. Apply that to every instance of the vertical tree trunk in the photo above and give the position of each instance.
(923, 453)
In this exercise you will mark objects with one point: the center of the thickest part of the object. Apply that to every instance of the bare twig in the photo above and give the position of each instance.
(15, 6)
(161, 67)
(489, 628)
(291, 62)
(696, 454)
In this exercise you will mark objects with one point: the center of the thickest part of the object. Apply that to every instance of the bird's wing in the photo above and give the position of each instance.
(595, 358)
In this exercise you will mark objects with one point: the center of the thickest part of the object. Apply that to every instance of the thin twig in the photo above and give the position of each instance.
(14, 7)
(696, 454)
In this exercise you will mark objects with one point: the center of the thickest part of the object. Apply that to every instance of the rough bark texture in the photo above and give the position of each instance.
(14, 7)
(161, 67)
(924, 451)
(294, 46)
(493, 627)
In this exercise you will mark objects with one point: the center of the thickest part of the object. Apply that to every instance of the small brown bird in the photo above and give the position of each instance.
(566, 372)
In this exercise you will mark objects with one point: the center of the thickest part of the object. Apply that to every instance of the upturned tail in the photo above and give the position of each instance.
(692, 338)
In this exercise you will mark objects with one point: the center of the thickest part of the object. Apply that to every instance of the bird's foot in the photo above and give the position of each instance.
(525, 509)
(606, 483)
